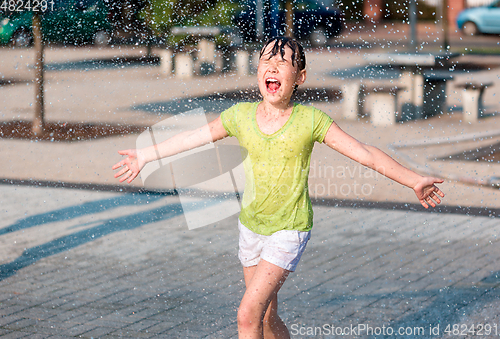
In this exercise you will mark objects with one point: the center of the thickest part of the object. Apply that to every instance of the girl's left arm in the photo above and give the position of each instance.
(424, 187)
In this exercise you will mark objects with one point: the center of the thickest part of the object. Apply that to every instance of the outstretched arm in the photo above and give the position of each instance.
(137, 158)
(424, 187)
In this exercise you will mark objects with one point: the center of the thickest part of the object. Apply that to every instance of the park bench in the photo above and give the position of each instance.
(435, 92)
(420, 98)
(378, 98)
(182, 61)
(472, 98)
(424, 76)
(208, 58)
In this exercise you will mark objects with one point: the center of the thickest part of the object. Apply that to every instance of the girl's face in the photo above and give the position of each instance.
(277, 76)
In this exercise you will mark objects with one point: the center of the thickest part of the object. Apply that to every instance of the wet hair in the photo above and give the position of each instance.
(280, 43)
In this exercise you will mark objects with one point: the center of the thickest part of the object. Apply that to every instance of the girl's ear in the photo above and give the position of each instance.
(301, 77)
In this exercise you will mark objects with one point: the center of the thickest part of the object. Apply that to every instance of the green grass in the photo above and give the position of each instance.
(478, 50)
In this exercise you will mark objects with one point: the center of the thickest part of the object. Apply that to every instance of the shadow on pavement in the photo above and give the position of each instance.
(106, 227)
(59, 131)
(99, 64)
(87, 208)
(219, 102)
(446, 309)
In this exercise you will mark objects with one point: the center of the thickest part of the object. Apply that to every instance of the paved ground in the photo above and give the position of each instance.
(94, 263)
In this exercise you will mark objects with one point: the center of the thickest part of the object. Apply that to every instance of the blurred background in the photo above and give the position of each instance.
(103, 22)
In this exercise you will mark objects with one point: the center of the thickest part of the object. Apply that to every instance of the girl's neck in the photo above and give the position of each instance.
(276, 109)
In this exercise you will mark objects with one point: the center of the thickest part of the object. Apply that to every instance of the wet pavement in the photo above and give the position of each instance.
(80, 258)
(78, 263)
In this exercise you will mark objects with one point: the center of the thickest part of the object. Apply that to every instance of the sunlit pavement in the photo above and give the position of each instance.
(91, 263)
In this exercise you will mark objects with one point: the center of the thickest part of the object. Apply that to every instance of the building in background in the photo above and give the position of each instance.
(375, 11)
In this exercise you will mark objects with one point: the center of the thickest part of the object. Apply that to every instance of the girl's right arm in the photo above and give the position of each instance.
(137, 158)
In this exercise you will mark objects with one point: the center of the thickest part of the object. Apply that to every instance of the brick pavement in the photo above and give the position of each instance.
(78, 263)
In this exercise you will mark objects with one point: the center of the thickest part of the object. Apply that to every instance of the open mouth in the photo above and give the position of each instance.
(273, 85)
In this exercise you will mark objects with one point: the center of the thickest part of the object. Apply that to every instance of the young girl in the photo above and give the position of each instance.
(276, 218)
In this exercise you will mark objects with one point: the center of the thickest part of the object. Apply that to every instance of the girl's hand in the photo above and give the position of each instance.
(132, 165)
(427, 192)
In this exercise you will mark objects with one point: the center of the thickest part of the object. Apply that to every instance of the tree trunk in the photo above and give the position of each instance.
(289, 19)
(445, 24)
(38, 121)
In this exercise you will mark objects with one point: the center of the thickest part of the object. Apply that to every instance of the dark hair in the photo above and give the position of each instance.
(279, 47)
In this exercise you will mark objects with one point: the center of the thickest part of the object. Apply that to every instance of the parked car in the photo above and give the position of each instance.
(71, 21)
(312, 21)
(478, 20)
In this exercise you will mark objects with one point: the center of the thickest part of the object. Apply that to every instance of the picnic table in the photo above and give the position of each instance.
(208, 59)
(424, 76)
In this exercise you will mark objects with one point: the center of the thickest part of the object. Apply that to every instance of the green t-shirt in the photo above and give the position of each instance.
(277, 167)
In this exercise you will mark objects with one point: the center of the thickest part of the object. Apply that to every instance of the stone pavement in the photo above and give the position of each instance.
(80, 263)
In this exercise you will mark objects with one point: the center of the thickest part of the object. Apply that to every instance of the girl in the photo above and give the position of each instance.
(276, 218)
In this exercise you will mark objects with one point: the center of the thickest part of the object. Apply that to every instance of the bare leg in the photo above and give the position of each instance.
(274, 327)
(258, 312)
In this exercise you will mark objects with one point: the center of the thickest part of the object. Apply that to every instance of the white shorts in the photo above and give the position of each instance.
(283, 248)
